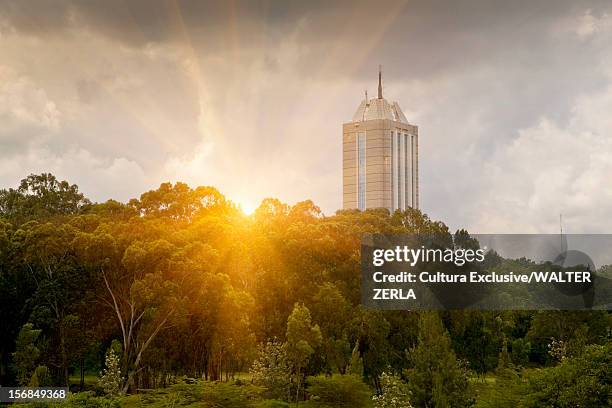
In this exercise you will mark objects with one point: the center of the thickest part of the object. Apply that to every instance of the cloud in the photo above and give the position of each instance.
(120, 96)
(98, 178)
(588, 24)
(24, 108)
(551, 169)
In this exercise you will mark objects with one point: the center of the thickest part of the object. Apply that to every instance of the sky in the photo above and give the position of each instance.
(513, 101)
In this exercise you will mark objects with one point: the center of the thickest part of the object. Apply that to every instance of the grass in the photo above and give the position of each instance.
(240, 393)
(201, 395)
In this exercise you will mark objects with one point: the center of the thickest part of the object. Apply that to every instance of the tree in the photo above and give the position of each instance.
(179, 202)
(59, 283)
(395, 393)
(520, 351)
(333, 313)
(41, 195)
(26, 353)
(14, 294)
(271, 369)
(477, 336)
(41, 377)
(302, 338)
(437, 378)
(581, 381)
(110, 378)
(372, 330)
(138, 291)
(190, 285)
(233, 344)
(570, 330)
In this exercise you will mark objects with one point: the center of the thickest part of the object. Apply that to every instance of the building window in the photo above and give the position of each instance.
(394, 168)
(413, 171)
(361, 176)
(407, 172)
(401, 173)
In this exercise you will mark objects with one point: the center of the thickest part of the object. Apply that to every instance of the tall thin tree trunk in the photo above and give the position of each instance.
(297, 393)
(82, 383)
(64, 356)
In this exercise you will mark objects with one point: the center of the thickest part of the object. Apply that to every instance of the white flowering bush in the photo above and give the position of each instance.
(271, 369)
(557, 349)
(110, 377)
(395, 393)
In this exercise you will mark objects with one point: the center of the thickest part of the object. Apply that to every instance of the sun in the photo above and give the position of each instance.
(247, 207)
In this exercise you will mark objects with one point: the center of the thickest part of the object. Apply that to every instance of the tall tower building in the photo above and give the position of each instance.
(380, 157)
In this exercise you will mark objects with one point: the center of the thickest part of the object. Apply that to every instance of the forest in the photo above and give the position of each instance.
(179, 298)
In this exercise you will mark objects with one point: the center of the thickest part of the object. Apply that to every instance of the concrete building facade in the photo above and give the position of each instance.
(380, 157)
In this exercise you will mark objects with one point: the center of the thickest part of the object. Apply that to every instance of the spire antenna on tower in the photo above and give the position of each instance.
(380, 82)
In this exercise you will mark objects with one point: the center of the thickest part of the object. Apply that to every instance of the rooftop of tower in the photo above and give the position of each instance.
(379, 108)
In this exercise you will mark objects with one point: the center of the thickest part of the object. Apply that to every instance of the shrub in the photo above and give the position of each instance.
(203, 395)
(395, 393)
(227, 395)
(88, 400)
(26, 353)
(272, 404)
(41, 377)
(110, 378)
(583, 381)
(338, 391)
(520, 351)
(437, 378)
(78, 400)
(271, 369)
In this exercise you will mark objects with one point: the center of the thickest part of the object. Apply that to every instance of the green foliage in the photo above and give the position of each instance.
(394, 392)
(338, 391)
(41, 377)
(203, 395)
(437, 378)
(271, 369)
(272, 404)
(88, 400)
(225, 395)
(477, 337)
(78, 400)
(178, 201)
(504, 357)
(373, 342)
(26, 353)
(355, 366)
(41, 196)
(331, 311)
(520, 351)
(504, 390)
(190, 285)
(110, 378)
(570, 330)
(582, 381)
(302, 338)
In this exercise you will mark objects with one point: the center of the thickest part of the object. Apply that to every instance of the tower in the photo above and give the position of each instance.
(380, 157)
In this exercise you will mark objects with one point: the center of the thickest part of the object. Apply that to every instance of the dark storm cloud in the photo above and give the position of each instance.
(422, 37)
(418, 24)
(137, 22)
